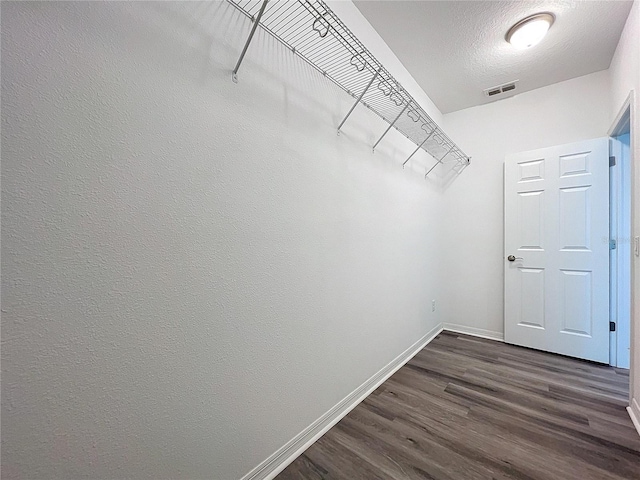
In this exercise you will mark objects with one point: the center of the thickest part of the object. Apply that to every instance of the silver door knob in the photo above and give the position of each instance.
(513, 258)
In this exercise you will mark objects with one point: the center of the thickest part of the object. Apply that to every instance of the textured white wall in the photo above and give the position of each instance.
(625, 76)
(193, 271)
(473, 227)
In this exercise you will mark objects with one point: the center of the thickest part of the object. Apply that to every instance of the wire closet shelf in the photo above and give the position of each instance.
(311, 30)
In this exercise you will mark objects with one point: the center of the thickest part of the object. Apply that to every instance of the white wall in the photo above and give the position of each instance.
(565, 112)
(625, 76)
(193, 271)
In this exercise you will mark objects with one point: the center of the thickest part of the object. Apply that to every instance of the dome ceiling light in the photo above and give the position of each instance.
(530, 31)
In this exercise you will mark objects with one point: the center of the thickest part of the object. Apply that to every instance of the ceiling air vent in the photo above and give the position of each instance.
(501, 89)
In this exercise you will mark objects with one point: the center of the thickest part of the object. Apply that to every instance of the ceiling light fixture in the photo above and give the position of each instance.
(530, 31)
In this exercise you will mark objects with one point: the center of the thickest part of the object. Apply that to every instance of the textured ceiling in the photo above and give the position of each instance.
(456, 49)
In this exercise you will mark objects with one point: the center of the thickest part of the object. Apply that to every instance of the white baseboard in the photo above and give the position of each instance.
(277, 462)
(476, 332)
(634, 413)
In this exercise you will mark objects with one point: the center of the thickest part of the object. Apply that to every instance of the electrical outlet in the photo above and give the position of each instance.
(433, 305)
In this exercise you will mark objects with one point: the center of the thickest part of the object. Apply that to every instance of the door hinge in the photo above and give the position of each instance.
(613, 244)
(612, 326)
(612, 161)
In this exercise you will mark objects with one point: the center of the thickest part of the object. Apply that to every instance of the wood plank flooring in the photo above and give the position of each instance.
(466, 408)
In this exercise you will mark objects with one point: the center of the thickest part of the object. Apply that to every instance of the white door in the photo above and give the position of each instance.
(557, 228)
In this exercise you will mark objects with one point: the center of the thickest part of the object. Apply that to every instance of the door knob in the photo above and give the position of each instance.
(513, 258)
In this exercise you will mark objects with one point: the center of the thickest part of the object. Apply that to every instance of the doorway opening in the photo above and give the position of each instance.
(620, 239)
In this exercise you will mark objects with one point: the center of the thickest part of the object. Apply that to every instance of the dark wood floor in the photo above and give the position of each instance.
(466, 408)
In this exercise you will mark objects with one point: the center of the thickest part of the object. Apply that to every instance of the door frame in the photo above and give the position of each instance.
(620, 253)
(629, 105)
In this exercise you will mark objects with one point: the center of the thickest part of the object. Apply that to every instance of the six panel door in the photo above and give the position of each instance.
(557, 228)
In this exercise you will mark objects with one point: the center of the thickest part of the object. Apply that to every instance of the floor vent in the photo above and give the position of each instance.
(501, 89)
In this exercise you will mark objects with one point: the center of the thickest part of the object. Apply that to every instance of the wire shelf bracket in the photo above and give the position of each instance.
(312, 31)
(256, 22)
(418, 148)
(358, 100)
(435, 165)
(389, 128)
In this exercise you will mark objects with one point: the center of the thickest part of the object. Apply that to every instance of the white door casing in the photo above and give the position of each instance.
(620, 257)
(557, 225)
